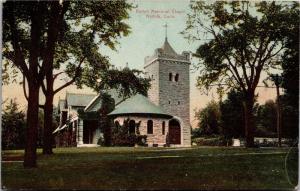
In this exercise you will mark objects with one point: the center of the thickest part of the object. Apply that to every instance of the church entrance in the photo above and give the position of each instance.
(174, 132)
(89, 132)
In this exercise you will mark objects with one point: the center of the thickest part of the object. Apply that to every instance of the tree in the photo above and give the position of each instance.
(242, 41)
(13, 126)
(105, 123)
(209, 119)
(290, 59)
(232, 117)
(21, 48)
(290, 78)
(267, 119)
(40, 36)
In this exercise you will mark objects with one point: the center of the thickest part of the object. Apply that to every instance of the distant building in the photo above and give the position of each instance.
(165, 114)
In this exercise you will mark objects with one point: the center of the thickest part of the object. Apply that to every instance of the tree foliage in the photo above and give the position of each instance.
(290, 60)
(266, 119)
(49, 40)
(240, 40)
(209, 119)
(105, 122)
(13, 126)
(122, 137)
(232, 117)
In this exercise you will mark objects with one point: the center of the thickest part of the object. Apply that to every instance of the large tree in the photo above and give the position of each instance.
(40, 36)
(232, 115)
(240, 41)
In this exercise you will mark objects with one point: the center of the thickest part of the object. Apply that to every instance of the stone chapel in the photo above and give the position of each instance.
(164, 116)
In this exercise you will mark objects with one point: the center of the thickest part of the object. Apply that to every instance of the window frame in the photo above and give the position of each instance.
(170, 77)
(176, 77)
(150, 127)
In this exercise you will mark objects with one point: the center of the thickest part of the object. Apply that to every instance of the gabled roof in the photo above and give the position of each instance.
(139, 105)
(96, 103)
(82, 100)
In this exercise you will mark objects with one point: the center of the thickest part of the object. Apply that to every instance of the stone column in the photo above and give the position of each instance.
(80, 131)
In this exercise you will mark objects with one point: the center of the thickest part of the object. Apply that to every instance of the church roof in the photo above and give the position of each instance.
(82, 100)
(167, 48)
(139, 105)
(167, 52)
(96, 103)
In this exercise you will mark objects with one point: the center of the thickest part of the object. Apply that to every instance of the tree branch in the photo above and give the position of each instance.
(19, 59)
(243, 63)
(24, 87)
(44, 88)
(234, 70)
(56, 75)
(77, 71)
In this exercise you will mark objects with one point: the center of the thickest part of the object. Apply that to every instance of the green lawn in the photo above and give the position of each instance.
(155, 168)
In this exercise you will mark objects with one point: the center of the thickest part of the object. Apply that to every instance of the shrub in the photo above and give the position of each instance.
(215, 141)
(101, 141)
(122, 137)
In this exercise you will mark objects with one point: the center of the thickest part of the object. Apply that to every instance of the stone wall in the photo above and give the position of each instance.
(157, 137)
(173, 96)
(152, 71)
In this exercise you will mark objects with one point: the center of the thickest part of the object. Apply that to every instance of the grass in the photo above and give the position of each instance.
(155, 168)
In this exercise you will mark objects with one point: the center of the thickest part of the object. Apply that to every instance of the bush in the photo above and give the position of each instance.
(101, 141)
(141, 140)
(196, 132)
(214, 141)
(122, 137)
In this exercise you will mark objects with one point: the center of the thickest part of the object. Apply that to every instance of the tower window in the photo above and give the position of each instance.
(170, 76)
(150, 127)
(169, 102)
(163, 127)
(176, 77)
(178, 102)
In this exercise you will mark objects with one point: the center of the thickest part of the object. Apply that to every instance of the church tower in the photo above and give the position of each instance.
(170, 86)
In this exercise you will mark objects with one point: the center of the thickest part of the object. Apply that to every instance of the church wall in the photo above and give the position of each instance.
(157, 137)
(152, 71)
(174, 97)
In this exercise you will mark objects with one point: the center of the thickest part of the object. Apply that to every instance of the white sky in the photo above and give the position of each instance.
(148, 34)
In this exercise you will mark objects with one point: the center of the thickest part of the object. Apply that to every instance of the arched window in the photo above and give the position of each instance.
(163, 127)
(176, 77)
(178, 102)
(131, 127)
(170, 76)
(150, 127)
(169, 102)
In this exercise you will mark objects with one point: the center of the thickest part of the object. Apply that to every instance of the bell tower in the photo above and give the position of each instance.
(170, 85)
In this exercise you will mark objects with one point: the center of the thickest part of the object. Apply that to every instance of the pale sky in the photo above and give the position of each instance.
(146, 22)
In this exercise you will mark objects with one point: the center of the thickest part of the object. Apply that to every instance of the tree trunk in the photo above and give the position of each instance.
(249, 120)
(32, 125)
(48, 125)
(278, 121)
